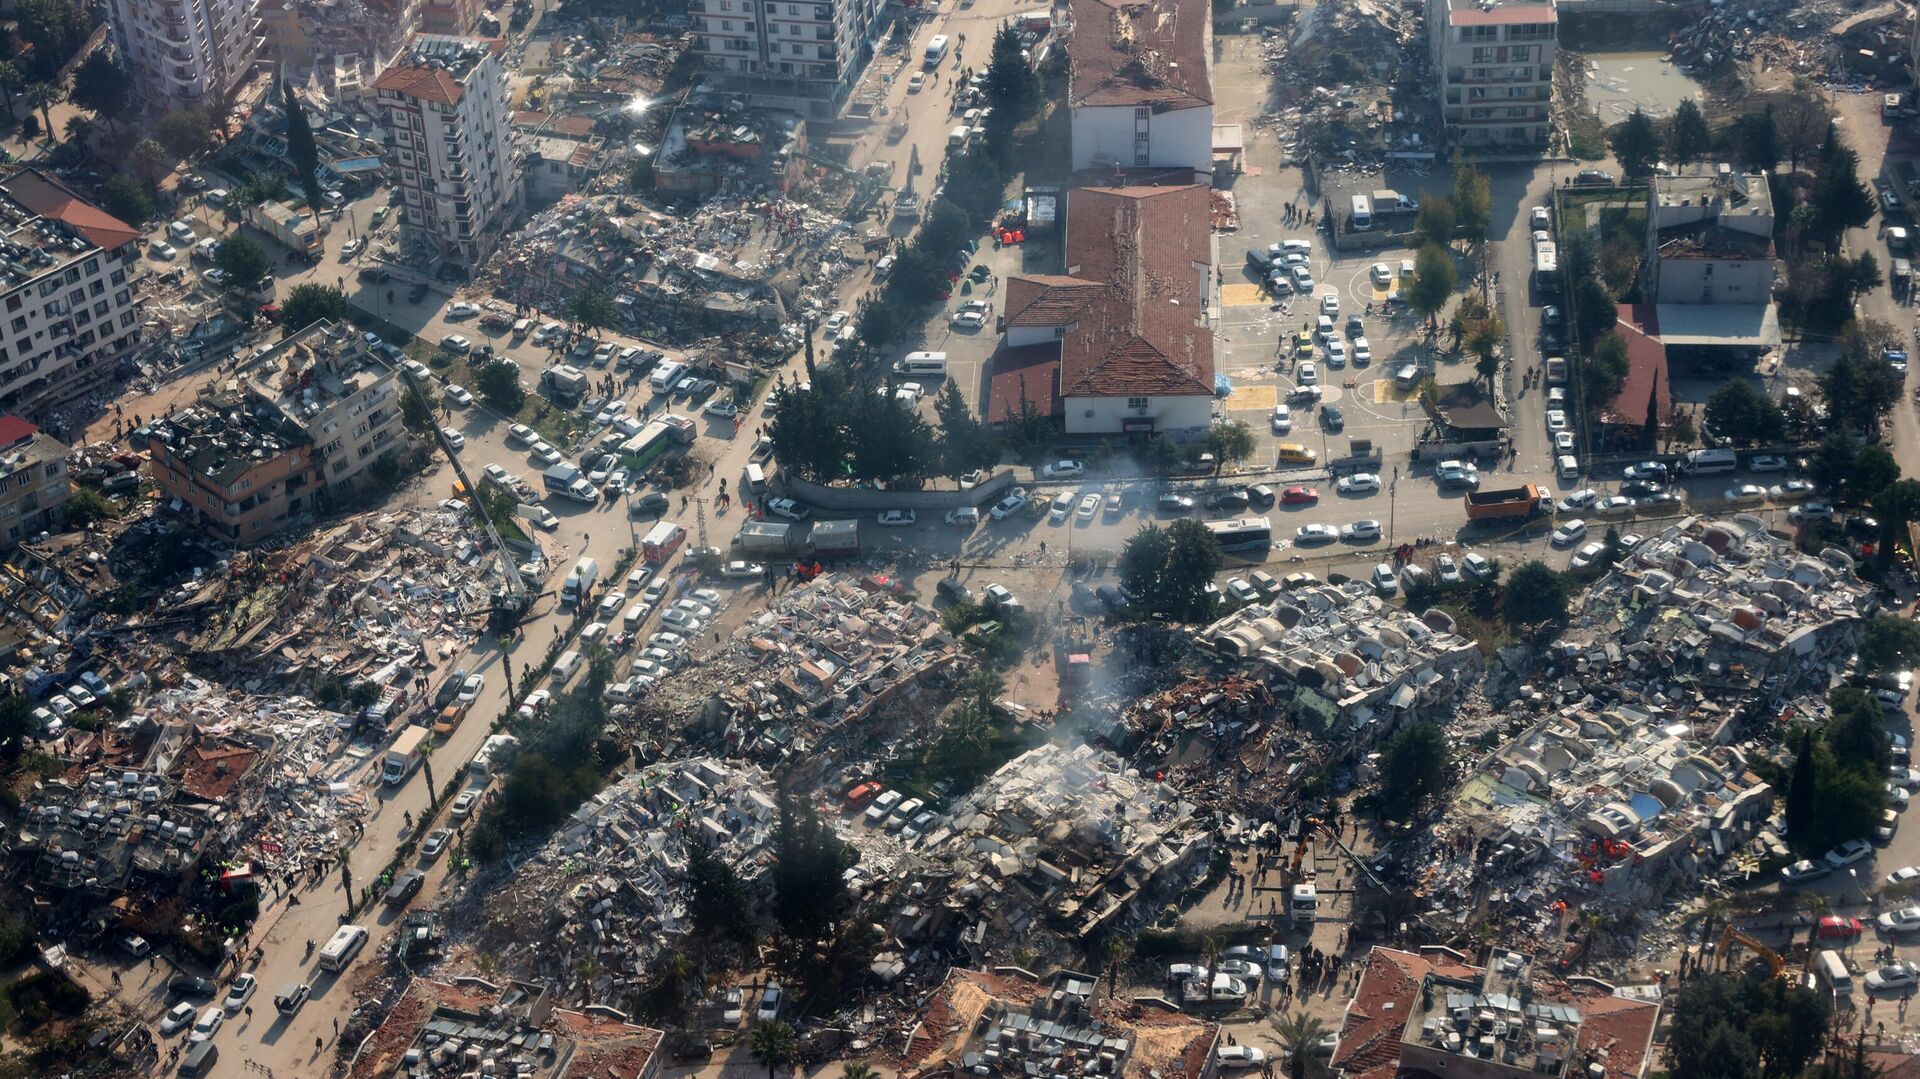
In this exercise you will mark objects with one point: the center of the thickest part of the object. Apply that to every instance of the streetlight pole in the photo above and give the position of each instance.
(1393, 501)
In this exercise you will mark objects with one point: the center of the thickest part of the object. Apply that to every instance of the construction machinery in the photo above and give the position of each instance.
(1775, 964)
(510, 600)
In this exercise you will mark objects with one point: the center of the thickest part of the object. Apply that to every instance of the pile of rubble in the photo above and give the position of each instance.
(1325, 119)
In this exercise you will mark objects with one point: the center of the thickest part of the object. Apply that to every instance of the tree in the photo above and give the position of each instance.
(1688, 137)
(1604, 372)
(1860, 392)
(1856, 730)
(1535, 593)
(1896, 507)
(307, 304)
(1436, 222)
(185, 132)
(1839, 199)
(965, 442)
(1680, 429)
(1758, 141)
(100, 85)
(42, 97)
(1650, 429)
(1594, 313)
(426, 770)
(888, 441)
(1118, 949)
(806, 432)
(1890, 643)
(30, 127)
(1012, 90)
(148, 159)
(1832, 464)
(1434, 278)
(126, 198)
(10, 82)
(1800, 122)
(1740, 413)
(243, 260)
(1483, 338)
(1299, 1034)
(1636, 146)
(498, 384)
(17, 726)
(1414, 767)
(344, 858)
(1472, 201)
(1167, 570)
(946, 227)
(880, 324)
(55, 28)
(418, 406)
(1230, 443)
(302, 154)
(1744, 1026)
(774, 1044)
(88, 507)
(719, 902)
(809, 890)
(592, 310)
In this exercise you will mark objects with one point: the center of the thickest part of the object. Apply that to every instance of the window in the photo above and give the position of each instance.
(1140, 136)
(1141, 159)
(1143, 113)
(1138, 404)
(92, 264)
(13, 301)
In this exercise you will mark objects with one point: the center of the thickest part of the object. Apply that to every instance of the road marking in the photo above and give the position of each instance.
(1242, 295)
(1252, 398)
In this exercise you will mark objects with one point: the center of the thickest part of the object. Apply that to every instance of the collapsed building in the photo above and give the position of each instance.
(472, 1026)
(1347, 661)
(1008, 1022)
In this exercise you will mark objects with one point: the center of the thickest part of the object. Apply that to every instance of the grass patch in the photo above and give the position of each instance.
(1586, 135)
(40, 997)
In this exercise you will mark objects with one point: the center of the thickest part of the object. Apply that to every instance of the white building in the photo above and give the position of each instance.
(1710, 265)
(1121, 343)
(186, 54)
(802, 56)
(450, 138)
(322, 381)
(1137, 81)
(1494, 59)
(66, 304)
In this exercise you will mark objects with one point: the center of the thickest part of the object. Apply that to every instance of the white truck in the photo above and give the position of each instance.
(1303, 906)
(404, 755)
(579, 582)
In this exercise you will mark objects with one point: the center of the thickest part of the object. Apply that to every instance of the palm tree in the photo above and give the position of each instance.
(1714, 909)
(426, 765)
(986, 685)
(859, 1070)
(42, 97)
(345, 858)
(775, 1045)
(1118, 950)
(1816, 909)
(1298, 1033)
(1209, 953)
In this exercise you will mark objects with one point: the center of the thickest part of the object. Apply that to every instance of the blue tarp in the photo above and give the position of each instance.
(352, 165)
(1222, 386)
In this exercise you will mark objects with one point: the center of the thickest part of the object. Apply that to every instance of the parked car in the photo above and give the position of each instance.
(1063, 470)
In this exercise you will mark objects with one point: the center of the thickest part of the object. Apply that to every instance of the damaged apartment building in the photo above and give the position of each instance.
(1348, 662)
(1006, 1022)
(612, 883)
(308, 418)
(337, 43)
(712, 147)
(469, 1026)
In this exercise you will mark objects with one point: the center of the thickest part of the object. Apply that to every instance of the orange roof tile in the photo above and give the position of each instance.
(426, 83)
(47, 196)
(1130, 52)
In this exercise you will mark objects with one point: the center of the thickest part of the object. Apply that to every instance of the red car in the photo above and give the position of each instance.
(863, 794)
(1837, 927)
(1299, 496)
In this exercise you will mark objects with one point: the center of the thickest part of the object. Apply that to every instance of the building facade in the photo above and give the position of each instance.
(66, 299)
(804, 56)
(1138, 85)
(187, 54)
(1494, 60)
(321, 37)
(33, 480)
(322, 381)
(450, 141)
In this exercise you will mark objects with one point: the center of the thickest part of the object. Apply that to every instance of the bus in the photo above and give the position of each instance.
(1243, 533)
(1546, 266)
(654, 441)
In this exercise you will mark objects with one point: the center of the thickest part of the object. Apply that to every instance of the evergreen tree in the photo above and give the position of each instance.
(1688, 137)
(301, 150)
(1800, 808)
(1635, 146)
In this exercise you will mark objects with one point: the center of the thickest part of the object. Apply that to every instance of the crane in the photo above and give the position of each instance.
(510, 599)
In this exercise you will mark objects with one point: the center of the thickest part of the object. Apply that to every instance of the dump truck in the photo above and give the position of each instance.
(403, 756)
(1507, 503)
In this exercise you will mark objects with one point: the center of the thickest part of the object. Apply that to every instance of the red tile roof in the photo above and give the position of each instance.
(426, 83)
(1133, 295)
(1031, 372)
(1139, 52)
(15, 429)
(1646, 369)
(1616, 1032)
(48, 197)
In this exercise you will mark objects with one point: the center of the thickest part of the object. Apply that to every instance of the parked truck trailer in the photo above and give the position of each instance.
(404, 755)
(1507, 503)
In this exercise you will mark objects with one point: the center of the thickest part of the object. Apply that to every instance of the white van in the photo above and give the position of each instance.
(924, 364)
(635, 614)
(565, 667)
(1567, 466)
(1831, 969)
(957, 138)
(936, 50)
(1362, 217)
(665, 375)
(522, 327)
(1709, 462)
(756, 478)
(342, 948)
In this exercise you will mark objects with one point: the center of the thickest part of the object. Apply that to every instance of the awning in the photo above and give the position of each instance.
(1715, 325)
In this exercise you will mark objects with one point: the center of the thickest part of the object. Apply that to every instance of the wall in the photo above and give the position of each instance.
(857, 499)
(1183, 137)
(1170, 415)
(1021, 336)
(1708, 280)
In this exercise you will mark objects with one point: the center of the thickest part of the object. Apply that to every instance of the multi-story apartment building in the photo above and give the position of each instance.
(803, 55)
(450, 142)
(239, 469)
(322, 381)
(1495, 64)
(33, 480)
(1138, 84)
(327, 37)
(66, 302)
(187, 54)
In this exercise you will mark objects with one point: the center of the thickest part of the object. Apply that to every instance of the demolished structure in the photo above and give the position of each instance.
(475, 1027)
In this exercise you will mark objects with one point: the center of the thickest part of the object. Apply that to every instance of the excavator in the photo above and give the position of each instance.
(510, 600)
(1775, 964)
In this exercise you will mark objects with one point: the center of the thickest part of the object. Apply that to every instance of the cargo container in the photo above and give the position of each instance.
(837, 538)
(764, 538)
(1519, 503)
(403, 756)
